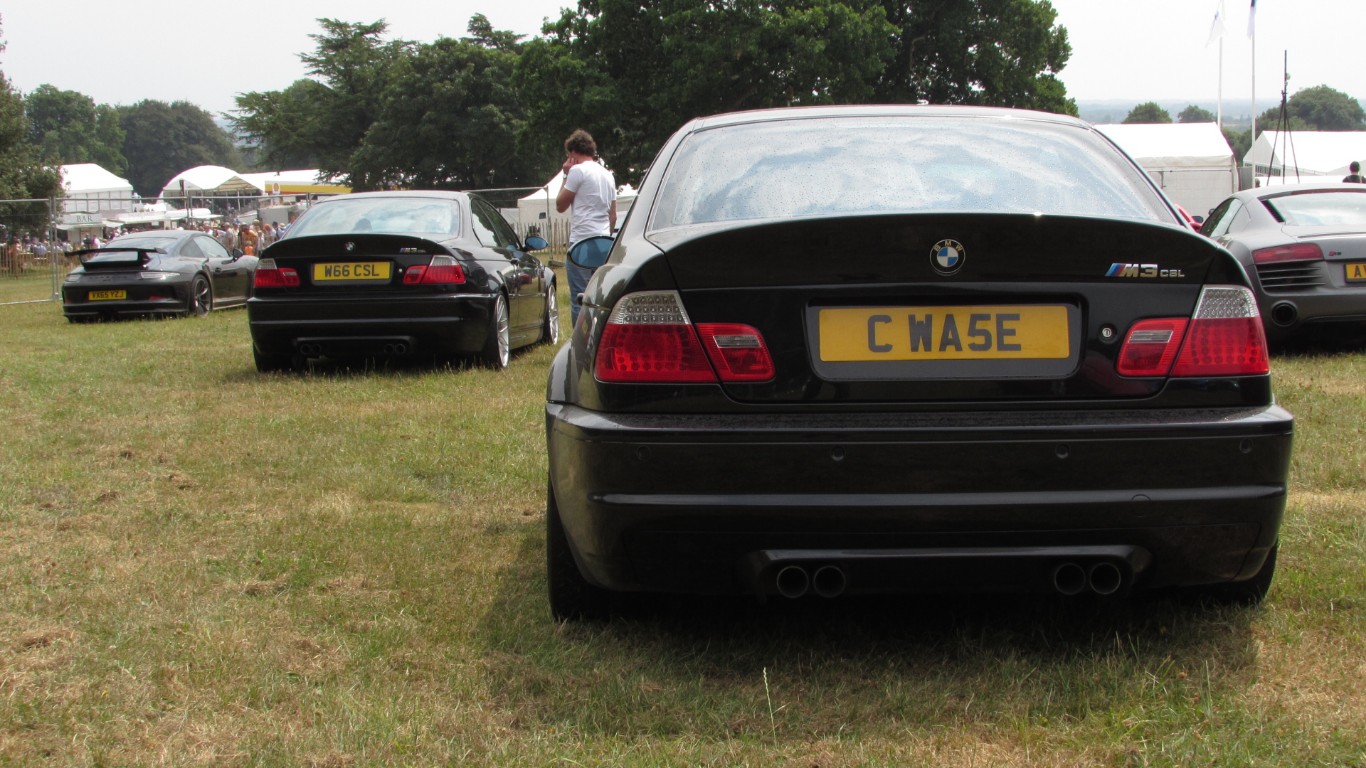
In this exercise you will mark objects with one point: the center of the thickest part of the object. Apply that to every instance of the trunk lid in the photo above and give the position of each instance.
(947, 307)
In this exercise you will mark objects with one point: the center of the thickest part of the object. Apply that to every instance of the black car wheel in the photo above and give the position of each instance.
(550, 332)
(571, 596)
(498, 348)
(201, 296)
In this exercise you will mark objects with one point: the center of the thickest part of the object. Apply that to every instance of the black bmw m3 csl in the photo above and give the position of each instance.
(855, 350)
(433, 275)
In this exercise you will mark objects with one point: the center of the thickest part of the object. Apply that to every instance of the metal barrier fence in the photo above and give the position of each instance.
(32, 259)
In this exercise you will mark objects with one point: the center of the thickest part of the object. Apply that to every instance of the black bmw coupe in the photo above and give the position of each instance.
(854, 350)
(427, 274)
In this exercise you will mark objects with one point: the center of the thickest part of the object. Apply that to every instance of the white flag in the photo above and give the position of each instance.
(1252, 20)
(1216, 29)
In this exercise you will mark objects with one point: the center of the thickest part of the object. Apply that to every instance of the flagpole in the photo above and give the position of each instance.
(1252, 33)
(1221, 83)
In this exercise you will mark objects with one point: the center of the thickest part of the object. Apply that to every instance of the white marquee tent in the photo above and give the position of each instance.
(209, 180)
(1313, 154)
(1191, 162)
(89, 188)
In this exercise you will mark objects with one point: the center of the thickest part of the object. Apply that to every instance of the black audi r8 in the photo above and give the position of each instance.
(400, 274)
(896, 349)
(1305, 248)
(171, 272)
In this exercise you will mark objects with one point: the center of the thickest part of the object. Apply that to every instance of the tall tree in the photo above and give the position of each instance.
(450, 117)
(1195, 114)
(22, 175)
(327, 119)
(631, 71)
(1148, 112)
(166, 139)
(993, 52)
(67, 127)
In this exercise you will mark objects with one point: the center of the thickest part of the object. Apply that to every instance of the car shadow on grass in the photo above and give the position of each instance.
(815, 668)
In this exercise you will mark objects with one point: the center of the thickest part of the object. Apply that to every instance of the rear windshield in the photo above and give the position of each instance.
(1319, 208)
(419, 216)
(872, 165)
(151, 242)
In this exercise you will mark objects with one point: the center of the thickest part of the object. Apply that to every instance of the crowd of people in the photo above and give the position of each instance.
(22, 253)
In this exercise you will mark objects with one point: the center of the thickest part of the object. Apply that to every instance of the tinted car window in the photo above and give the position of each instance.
(880, 165)
(212, 248)
(190, 249)
(1221, 217)
(423, 216)
(490, 227)
(136, 241)
(1311, 209)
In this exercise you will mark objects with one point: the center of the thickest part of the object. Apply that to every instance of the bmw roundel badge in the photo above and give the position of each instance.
(947, 256)
(350, 247)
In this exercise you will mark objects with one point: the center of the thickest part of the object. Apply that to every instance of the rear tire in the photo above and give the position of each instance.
(201, 296)
(498, 347)
(571, 596)
(550, 331)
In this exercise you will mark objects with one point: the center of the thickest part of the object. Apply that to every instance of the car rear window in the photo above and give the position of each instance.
(423, 217)
(873, 165)
(1319, 208)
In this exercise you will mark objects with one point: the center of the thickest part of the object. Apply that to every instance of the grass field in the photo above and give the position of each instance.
(205, 566)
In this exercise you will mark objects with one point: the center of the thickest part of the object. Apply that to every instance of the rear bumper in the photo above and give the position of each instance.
(445, 325)
(904, 502)
(168, 298)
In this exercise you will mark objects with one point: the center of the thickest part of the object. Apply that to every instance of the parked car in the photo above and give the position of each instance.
(848, 350)
(171, 272)
(400, 274)
(1305, 248)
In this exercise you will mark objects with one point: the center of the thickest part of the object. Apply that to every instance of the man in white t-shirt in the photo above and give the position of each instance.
(590, 191)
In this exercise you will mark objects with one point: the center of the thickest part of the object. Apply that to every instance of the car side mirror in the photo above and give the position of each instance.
(536, 243)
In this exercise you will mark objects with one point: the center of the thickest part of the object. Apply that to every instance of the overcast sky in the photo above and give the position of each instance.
(207, 53)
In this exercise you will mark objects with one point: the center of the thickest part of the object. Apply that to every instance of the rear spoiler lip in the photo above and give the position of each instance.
(144, 254)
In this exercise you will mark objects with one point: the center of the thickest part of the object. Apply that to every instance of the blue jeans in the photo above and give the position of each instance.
(578, 280)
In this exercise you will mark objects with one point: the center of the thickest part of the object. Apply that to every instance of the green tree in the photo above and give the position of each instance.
(450, 117)
(1195, 114)
(1316, 109)
(22, 174)
(66, 127)
(1148, 112)
(327, 120)
(163, 140)
(632, 72)
(992, 52)
(1239, 141)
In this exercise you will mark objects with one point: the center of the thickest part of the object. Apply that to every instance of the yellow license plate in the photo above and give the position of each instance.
(871, 334)
(352, 270)
(1356, 270)
(107, 295)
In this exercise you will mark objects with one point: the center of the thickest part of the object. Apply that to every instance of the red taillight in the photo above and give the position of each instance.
(1224, 337)
(737, 351)
(268, 275)
(1296, 252)
(649, 339)
(442, 271)
(1151, 346)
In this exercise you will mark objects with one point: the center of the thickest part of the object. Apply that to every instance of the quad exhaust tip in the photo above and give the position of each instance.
(794, 581)
(1102, 578)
